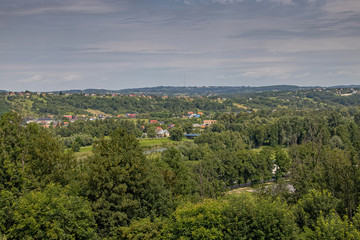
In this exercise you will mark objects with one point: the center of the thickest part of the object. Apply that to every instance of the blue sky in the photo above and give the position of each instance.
(115, 44)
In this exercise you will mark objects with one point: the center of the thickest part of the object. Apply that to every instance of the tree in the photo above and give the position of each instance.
(176, 134)
(332, 227)
(233, 217)
(313, 205)
(12, 153)
(121, 184)
(52, 214)
(188, 127)
(30, 156)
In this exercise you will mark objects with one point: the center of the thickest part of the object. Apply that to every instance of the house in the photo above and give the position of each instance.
(44, 121)
(160, 133)
(153, 121)
(170, 126)
(132, 115)
(208, 122)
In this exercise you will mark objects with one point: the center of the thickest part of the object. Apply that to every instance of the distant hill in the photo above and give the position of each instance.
(200, 91)
(204, 90)
(346, 86)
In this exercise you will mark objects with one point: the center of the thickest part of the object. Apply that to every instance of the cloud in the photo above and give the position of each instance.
(343, 73)
(227, 1)
(342, 6)
(50, 78)
(69, 6)
(269, 72)
(297, 45)
(33, 79)
(137, 46)
(284, 2)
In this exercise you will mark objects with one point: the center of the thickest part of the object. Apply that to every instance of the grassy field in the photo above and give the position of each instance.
(96, 112)
(147, 143)
(159, 142)
(240, 106)
(82, 156)
(153, 141)
(86, 149)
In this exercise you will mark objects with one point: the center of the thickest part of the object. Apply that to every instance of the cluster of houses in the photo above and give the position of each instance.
(206, 123)
(45, 122)
(194, 115)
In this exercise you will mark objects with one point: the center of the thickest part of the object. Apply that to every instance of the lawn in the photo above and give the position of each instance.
(86, 149)
(145, 142)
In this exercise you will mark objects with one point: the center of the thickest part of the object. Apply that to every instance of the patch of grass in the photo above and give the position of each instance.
(82, 156)
(153, 141)
(86, 149)
(96, 112)
(159, 142)
(240, 106)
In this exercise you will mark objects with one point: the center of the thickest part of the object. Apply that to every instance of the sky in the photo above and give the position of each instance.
(50, 45)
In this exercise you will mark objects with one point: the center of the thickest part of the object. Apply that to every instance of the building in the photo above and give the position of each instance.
(209, 122)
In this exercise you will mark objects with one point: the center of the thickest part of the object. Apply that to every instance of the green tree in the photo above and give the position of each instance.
(313, 205)
(332, 227)
(121, 184)
(176, 134)
(234, 217)
(188, 127)
(30, 156)
(52, 214)
(12, 153)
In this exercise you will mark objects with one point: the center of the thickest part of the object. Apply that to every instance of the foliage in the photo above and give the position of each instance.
(121, 185)
(237, 217)
(176, 134)
(52, 214)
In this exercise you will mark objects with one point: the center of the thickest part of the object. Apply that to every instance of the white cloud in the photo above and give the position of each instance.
(343, 73)
(269, 72)
(342, 6)
(33, 79)
(313, 45)
(227, 1)
(70, 78)
(285, 2)
(50, 78)
(72, 6)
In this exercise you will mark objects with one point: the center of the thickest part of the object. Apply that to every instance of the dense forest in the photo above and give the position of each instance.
(161, 106)
(275, 165)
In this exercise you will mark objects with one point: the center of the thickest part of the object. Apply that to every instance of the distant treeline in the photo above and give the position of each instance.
(166, 107)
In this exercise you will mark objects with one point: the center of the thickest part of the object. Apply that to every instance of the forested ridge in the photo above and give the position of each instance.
(301, 161)
(59, 104)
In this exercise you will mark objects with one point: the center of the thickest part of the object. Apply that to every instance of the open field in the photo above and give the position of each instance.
(240, 106)
(96, 112)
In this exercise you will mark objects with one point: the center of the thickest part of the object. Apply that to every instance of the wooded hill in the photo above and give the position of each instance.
(158, 106)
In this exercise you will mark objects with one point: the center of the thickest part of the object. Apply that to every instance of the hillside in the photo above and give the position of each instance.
(153, 105)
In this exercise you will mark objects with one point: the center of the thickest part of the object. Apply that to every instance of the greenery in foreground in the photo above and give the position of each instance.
(119, 193)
